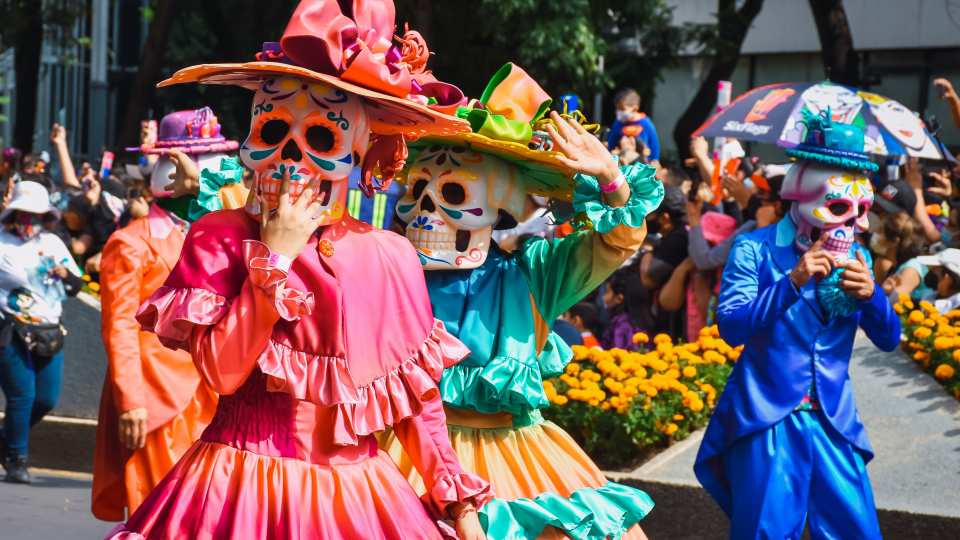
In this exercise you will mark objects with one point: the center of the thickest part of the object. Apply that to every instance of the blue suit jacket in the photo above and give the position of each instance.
(788, 342)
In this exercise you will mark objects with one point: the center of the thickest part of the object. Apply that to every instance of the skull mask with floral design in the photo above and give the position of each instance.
(305, 130)
(455, 197)
(829, 203)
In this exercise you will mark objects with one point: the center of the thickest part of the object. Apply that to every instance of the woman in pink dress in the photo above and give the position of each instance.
(315, 329)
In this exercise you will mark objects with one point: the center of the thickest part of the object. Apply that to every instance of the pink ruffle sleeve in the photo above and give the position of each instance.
(225, 337)
(425, 439)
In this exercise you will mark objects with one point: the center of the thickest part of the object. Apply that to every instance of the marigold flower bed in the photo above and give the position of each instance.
(932, 340)
(621, 405)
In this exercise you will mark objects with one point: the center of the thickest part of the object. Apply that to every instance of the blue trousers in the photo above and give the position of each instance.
(797, 470)
(31, 385)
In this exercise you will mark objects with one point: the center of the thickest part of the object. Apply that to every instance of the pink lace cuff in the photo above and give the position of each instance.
(262, 263)
(457, 488)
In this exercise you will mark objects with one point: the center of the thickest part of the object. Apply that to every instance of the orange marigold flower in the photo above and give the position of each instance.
(944, 372)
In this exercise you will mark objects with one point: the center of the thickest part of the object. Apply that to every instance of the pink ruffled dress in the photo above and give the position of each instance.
(306, 379)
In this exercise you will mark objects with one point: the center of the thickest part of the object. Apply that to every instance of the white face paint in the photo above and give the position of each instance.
(829, 203)
(453, 201)
(307, 130)
(162, 174)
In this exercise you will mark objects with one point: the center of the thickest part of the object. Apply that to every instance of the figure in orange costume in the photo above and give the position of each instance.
(153, 405)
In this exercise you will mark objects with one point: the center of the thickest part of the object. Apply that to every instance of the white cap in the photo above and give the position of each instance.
(28, 196)
(948, 258)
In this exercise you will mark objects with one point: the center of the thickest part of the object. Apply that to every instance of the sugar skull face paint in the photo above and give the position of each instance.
(305, 130)
(829, 203)
(454, 198)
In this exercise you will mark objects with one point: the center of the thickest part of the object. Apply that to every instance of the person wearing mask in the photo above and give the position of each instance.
(631, 122)
(153, 405)
(37, 273)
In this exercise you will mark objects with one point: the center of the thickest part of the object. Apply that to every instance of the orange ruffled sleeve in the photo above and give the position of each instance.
(121, 273)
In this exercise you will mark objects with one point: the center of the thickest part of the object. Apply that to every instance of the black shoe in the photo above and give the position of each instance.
(17, 472)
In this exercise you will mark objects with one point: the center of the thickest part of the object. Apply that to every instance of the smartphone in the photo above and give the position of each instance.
(106, 164)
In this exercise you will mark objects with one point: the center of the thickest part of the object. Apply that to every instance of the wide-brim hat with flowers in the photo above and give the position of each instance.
(191, 132)
(506, 122)
(353, 50)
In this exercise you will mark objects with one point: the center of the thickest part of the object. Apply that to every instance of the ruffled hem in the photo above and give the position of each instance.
(588, 514)
(361, 411)
(503, 385)
(217, 491)
(646, 194)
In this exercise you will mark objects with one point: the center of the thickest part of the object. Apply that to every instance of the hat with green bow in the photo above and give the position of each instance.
(509, 121)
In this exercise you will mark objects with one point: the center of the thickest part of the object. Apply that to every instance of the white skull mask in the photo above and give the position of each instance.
(829, 203)
(163, 171)
(455, 197)
(307, 130)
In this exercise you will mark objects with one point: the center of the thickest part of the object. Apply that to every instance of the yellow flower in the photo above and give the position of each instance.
(696, 405)
(944, 372)
(929, 323)
(922, 333)
(915, 317)
(898, 308)
(573, 368)
(689, 372)
(942, 343)
(605, 406)
(678, 417)
(671, 429)
(560, 400)
(94, 286)
(920, 355)
(86, 277)
(928, 307)
(650, 391)
(956, 356)
(640, 338)
(580, 352)
(661, 338)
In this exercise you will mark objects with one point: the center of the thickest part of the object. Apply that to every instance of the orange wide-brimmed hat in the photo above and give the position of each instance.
(355, 52)
(508, 122)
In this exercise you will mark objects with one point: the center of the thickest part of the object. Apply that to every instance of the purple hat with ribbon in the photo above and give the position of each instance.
(191, 132)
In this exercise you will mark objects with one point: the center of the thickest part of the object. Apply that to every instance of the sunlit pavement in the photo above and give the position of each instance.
(55, 506)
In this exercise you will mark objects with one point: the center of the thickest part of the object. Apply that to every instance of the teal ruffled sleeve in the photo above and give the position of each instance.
(211, 182)
(646, 194)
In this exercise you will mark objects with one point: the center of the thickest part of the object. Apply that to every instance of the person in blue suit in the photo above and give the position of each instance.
(786, 445)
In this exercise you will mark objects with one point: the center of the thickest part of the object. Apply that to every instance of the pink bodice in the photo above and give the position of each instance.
(313, 361)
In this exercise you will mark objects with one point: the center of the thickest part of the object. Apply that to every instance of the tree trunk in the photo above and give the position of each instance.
(732, 27)
(840, 60)
(149, 72)
(26, 62)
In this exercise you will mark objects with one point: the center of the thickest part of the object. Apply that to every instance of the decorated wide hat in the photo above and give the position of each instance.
(350, 45)
(508, 121)
(832, 143)
(191, 132)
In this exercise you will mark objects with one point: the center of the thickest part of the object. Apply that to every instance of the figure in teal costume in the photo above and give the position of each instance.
(501, 304)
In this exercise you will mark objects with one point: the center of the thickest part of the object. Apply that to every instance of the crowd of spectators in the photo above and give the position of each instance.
(671, 285)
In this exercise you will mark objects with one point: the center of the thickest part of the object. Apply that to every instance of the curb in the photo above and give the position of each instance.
(63, 443)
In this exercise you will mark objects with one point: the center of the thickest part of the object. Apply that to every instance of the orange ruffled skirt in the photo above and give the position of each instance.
(528, 462)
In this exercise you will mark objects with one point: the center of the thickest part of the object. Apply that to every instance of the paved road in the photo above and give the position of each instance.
(55, 506)
(913, 424)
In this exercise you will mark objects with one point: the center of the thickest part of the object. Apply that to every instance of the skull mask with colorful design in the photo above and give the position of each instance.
(829, 203)
(455, 197)
(305, 130)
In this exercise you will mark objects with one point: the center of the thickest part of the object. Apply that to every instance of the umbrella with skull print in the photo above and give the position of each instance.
(774, 114)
